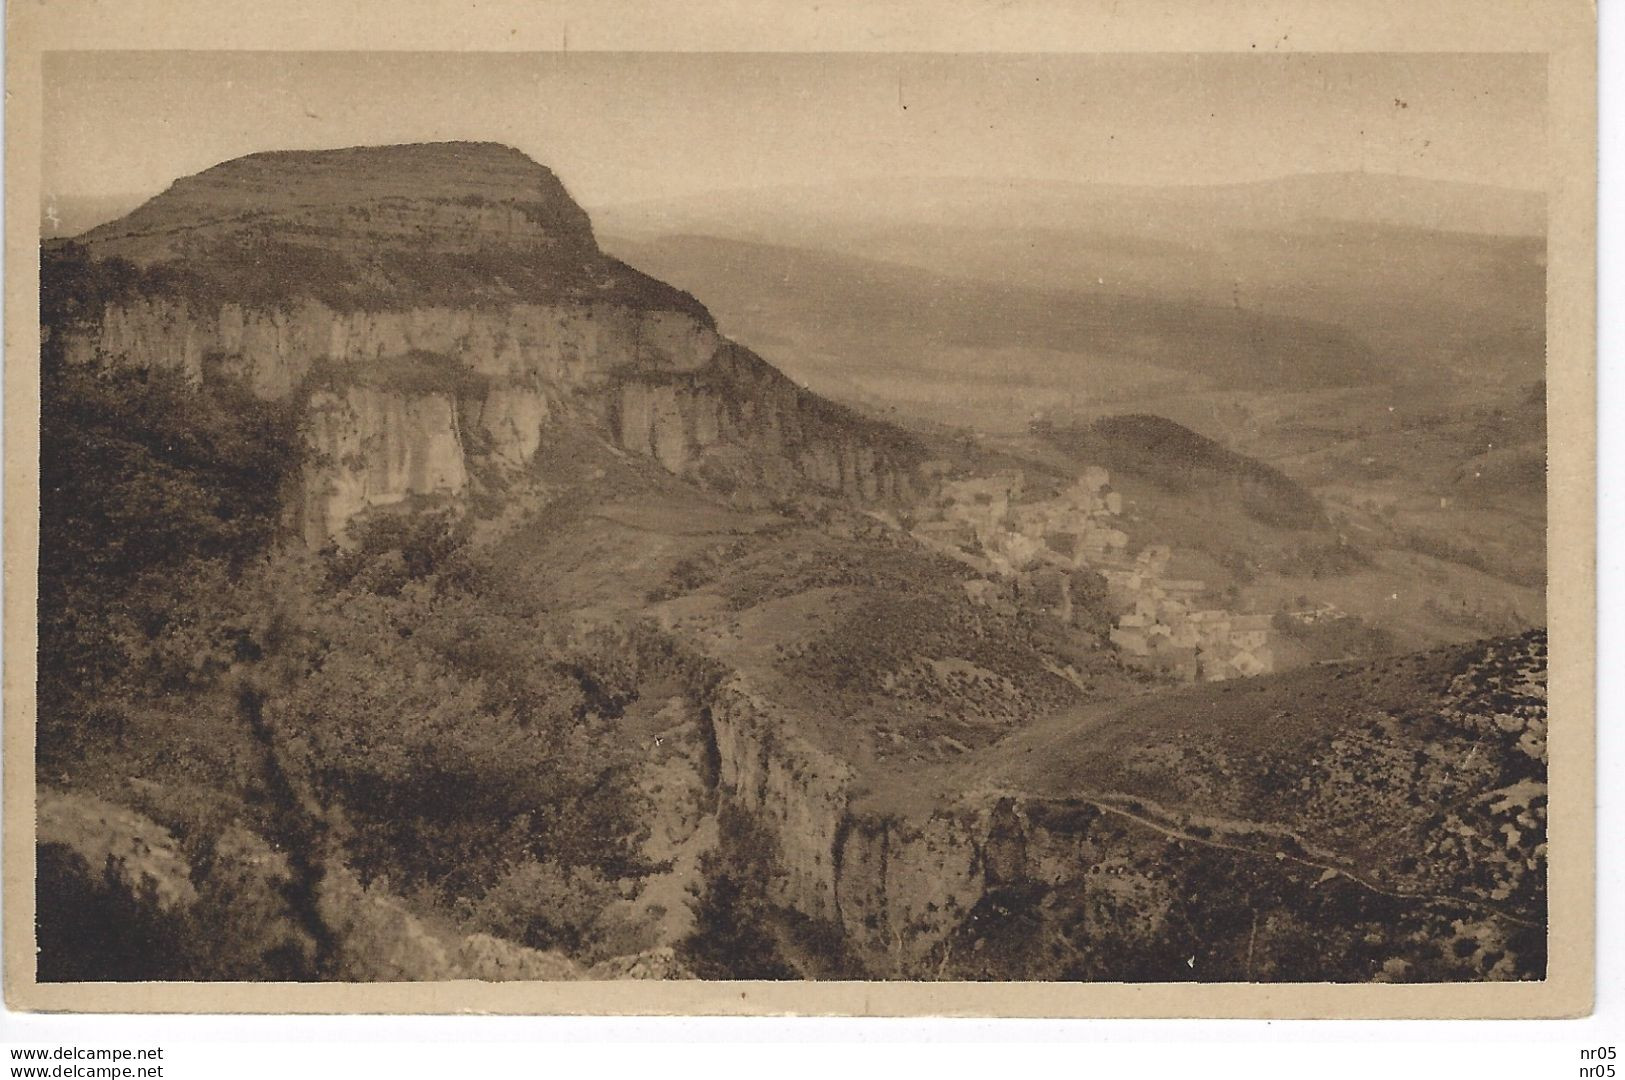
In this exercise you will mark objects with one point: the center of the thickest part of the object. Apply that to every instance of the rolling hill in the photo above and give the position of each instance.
(923, 341)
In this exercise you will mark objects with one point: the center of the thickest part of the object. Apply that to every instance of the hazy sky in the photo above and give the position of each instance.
(620, 127)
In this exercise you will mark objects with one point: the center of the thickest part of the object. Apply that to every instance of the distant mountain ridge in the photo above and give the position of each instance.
(987, 352)
(1376, 198)
(1334, 280)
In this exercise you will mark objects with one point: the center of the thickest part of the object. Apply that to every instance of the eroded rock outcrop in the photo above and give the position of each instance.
(434, 307)
(96, 856)
(116, 845)
(563, 346)
(800, 792)
(371, 448)
(688, 421)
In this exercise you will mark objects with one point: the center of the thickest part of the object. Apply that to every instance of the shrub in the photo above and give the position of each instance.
(1325, 560)
(544, 905)
(391, 550)
(456, 744)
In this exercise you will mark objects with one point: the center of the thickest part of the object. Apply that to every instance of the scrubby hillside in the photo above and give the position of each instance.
(1383, 821)
(349, 753)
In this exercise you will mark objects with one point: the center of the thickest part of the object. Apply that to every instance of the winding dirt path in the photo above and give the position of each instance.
(1283, 856)
(1050, 734)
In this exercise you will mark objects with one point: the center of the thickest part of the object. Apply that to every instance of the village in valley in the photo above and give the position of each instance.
(1045, 552)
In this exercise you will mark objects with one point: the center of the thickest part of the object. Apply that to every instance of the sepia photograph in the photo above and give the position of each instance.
(826, 517)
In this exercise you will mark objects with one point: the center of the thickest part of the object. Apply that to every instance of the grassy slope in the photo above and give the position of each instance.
(868, 638)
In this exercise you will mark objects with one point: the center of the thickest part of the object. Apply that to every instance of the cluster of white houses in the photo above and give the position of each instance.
(986, 514)
(1166, 628)
(1040, 544)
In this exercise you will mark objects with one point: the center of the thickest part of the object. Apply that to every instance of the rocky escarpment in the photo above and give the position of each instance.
(564, 346)
(797, 790)
(1001, 883)
(434, 307)
(894, 890)
(898, 890)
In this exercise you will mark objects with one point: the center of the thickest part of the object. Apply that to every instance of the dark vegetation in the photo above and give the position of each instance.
(1334, 639)
(734, 919)
(153, 495)
(1426, 772)
(1314, 560)
(994, 674)
(258, 267)
(460, 747)
(809, 560)
(93, 929)
(387, 708)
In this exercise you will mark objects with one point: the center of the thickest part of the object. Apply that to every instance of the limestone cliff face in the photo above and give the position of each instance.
(370, 448)
(567, 347)
(1049, 884)
(434, 307)
(915, 895)
(797, 790)
(376, 433)
(687, 421)
(896, 889)
(904, 886)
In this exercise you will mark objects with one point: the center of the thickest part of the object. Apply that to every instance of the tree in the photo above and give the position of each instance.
(732, 938)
